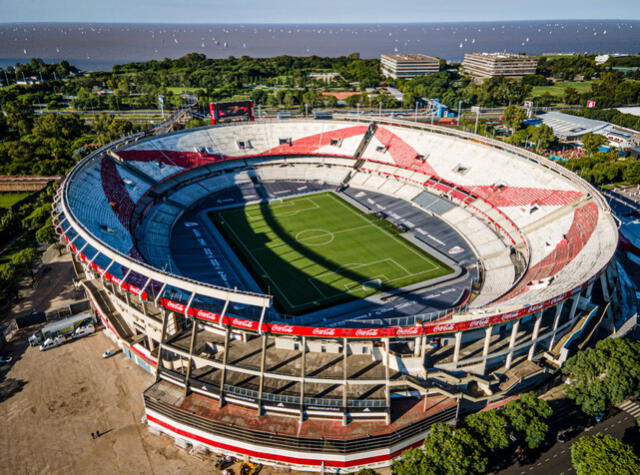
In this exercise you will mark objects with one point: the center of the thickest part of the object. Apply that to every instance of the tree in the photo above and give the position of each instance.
(543, 136)
(527, 416)
(445, 451)
(354, 100)
(366, 471)
(7, 281)
(513, 117)
(310, 97)
(59, 247)
(26, 258)
(546, 99)
(603, 454)
(289, 99)
(19, 116)
(259, 96)
(603, 375)
(60, 126)
(535, 80)
(412, 462)
(489, 428)
(519, 137)
(632, 172)
(592, 142)
(46, 234)
(108, 127)
(7, 274)
(37, 217)
(454, 451)
(330, 100)
(571, 96)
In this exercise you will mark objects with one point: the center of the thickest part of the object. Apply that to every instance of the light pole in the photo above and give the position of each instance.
(161, 102)
(459, 112)
(416, 115)
(476, 109)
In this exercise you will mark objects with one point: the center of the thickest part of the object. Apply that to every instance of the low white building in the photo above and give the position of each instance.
(569, 127)
(408, 66)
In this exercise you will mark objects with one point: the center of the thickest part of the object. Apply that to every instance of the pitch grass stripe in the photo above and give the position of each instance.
(250, 254)
(307, 272)
(400, 277)
(399, 240)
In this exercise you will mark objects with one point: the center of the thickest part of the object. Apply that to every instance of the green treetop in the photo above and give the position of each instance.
(603, 454)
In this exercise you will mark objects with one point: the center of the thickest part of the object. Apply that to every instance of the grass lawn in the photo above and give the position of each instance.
(317, 250)
(558, 88)
(9, 199)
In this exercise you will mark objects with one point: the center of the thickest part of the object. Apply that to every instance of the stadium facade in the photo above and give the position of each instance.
(354, 384)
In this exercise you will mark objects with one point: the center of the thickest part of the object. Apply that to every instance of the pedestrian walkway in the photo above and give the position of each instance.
(631, 407)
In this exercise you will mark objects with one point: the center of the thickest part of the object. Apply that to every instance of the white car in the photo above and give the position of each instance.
(52, 343)
(108, 354)
(83, 331)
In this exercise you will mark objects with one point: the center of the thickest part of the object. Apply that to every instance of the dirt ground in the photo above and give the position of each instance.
(51, 402)
(51, 290)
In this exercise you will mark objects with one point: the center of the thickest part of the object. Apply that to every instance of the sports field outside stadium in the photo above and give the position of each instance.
(317, 250)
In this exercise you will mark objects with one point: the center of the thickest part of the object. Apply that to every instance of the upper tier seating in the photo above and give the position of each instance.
(551, 220)
(101, 201)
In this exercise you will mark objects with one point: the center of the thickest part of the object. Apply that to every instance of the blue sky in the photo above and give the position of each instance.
(311, 11)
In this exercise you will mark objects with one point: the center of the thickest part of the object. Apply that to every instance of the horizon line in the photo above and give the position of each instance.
(310, 23)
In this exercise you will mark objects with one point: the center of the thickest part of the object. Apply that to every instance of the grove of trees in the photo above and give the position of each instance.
(605, 375)
(473, 447)
(603, 454)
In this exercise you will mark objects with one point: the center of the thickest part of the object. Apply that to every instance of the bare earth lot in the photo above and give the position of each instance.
(51, 402)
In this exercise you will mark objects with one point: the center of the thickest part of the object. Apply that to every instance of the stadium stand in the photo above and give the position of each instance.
(527, 246)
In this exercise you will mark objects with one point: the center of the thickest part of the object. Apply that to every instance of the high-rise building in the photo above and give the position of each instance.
(408, 66)
(490, 65)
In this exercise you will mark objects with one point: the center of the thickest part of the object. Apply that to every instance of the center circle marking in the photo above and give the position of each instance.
(315, 237)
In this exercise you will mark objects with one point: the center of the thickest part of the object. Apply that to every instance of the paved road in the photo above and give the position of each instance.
(557, 459)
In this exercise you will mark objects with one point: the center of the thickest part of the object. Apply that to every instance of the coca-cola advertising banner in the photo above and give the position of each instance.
(333, 332)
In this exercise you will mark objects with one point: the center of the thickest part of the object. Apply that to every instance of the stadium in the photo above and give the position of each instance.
(315, 294)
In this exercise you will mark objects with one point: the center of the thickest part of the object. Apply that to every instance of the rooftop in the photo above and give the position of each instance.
(571, 125)
(502, 55)
(410, 57)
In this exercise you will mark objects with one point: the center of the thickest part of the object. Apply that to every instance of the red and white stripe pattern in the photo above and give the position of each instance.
(303, 460)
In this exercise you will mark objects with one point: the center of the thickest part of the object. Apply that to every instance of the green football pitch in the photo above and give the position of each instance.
(317, 250)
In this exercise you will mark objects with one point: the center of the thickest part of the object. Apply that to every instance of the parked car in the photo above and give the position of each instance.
(109, 353)
(567, 434)
(5, 360)
(52, 343)
(83, 331)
